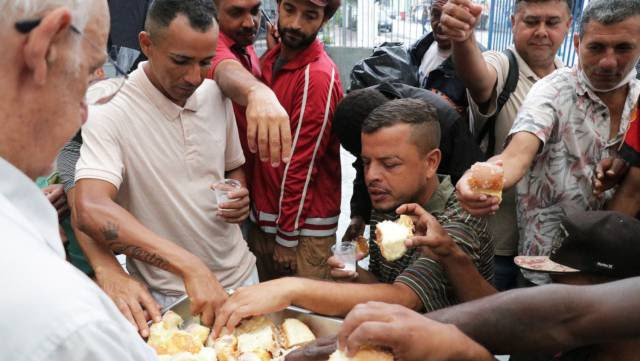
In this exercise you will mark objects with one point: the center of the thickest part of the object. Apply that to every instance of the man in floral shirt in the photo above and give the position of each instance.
(570, 121)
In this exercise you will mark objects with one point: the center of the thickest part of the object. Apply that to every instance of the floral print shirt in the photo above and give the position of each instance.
(573, 125)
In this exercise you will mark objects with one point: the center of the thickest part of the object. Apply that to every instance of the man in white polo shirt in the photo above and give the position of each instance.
(50, 310)
(149, 160)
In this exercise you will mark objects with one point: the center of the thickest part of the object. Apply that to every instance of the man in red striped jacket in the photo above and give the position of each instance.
(295, 206)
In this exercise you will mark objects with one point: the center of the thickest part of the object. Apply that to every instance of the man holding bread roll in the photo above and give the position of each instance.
(400, 153)
(539, 28)
(571, 120)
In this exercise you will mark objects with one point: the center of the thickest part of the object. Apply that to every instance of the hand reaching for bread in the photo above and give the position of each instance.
(260, 299)
(410, 335)
(480, 188)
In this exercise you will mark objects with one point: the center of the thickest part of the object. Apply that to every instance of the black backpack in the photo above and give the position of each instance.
(489, 128)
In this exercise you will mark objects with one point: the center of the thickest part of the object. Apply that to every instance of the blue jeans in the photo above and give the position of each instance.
(506, 273)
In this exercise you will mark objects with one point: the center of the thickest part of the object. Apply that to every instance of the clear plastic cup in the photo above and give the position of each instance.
(345, 252)
(223, 188)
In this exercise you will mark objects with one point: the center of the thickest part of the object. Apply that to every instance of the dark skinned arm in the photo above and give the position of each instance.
(627, 198)
(549, 318)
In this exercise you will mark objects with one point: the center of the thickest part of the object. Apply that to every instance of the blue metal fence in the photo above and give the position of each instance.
(500, 36)
(404, 21)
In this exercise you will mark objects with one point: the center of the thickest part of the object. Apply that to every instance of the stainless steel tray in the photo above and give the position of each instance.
(320, 325)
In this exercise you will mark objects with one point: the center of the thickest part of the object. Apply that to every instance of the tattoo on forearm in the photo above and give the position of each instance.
(110, 231)
(110, 234)
(140, 254)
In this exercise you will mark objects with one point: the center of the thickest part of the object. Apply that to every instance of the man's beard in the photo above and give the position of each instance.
(242, 35)
(302, 42)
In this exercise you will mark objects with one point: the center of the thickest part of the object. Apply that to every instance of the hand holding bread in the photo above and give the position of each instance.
(391, 237)
(260, 299)
(409, 335)
(434, 242)
(480, 188)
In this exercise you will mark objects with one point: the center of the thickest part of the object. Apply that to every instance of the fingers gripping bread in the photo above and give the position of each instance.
(487, 178)
(390, 237)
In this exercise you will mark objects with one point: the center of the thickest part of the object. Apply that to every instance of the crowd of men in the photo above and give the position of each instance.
(139, 154)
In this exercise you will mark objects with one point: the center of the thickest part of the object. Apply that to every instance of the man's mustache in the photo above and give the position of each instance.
(294, 32)
(247, 31)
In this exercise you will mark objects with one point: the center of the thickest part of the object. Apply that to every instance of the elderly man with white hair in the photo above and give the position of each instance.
(50, 310)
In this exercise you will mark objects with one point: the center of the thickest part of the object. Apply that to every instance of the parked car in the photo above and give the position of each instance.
(385, 24)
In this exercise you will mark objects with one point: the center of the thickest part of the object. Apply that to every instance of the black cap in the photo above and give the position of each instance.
(598, 242)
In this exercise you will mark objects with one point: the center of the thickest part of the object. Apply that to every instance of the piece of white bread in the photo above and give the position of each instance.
(257, 355)
(166, 337)
(390, 237)
(172, 320)
(207, 354)
(184, 356)
(256, 334)
(226, 347)
(199, 332)
(180, 341)
(364, 354)
(295, 333)
(487, 178)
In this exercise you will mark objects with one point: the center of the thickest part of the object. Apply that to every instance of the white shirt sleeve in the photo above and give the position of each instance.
(233, 155)
(98, 341)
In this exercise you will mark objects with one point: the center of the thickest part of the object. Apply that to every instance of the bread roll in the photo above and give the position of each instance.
(487, 178)
(226, 347)
(172, 320)
(362, 245)
(181, 341)
(255, 334)
(365, 354)
(184, 356)
(199, 332)
(207, 354)
(390, 237)
(158, 337)
(295, 333)
(257, 355)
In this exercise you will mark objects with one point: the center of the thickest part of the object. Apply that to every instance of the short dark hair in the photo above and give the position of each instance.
(351, 113)
(201, 14)
(608, 12)
(517, 5)
(421, 116)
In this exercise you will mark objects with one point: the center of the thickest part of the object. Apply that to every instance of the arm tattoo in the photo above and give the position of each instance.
(110, 233)
(140, 254)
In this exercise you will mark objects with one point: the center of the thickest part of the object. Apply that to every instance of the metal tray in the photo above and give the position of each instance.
(320, 325)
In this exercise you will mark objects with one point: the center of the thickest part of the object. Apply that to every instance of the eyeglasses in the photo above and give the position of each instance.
(102, 91)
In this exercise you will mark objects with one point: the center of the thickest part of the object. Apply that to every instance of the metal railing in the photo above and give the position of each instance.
(368, 23)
